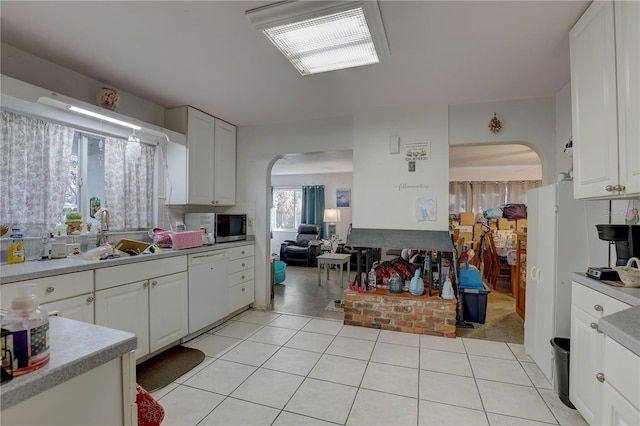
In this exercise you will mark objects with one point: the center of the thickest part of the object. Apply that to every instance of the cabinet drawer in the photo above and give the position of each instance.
(239, 252)
(50, 289)
(595, 303)
(240, 277)
(241, 264)
(622, 370)
(79, 308)
(240, 295)
(119, 275)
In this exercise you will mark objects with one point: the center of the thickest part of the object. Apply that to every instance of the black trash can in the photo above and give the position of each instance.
(561, 348)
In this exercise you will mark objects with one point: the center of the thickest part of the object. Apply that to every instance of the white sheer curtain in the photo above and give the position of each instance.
(128, 183)
(479, 196)
(34, 163)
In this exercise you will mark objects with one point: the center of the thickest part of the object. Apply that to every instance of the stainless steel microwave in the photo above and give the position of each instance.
(224, 227)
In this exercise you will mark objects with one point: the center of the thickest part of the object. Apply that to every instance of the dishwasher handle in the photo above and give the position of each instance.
(198, 259)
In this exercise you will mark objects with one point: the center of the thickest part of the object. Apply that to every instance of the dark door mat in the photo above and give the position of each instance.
(164, 368)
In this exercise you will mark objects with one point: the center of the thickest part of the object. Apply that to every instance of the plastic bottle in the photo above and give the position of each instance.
(371, 279)
(29, 328)
(47, 246)
(16, 248)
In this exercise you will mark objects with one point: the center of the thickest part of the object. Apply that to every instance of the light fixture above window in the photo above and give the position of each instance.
(320, 36)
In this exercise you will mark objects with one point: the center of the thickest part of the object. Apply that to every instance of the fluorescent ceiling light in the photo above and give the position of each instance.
(104, 117)
(319, 36)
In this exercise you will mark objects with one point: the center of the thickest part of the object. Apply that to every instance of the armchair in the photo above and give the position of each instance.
(305, 249)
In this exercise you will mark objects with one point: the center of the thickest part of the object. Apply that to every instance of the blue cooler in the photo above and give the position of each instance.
(474, 295)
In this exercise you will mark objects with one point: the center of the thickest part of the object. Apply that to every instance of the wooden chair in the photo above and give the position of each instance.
(497, 267)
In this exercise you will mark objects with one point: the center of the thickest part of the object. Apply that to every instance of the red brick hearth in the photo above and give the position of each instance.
(401, 312)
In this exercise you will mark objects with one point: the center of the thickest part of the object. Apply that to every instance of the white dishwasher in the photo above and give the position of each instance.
(208, 289)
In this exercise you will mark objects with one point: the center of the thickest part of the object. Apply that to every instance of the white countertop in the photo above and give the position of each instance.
(44, 268)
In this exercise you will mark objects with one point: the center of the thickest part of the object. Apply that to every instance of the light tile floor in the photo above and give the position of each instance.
(266, 368)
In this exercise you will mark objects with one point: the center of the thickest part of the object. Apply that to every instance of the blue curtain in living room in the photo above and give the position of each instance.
(313, 206)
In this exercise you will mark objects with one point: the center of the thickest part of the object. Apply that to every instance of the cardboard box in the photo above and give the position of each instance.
(468, 236)
(465, 228)
(467, 218)
(506, 224)
(520, 224)
(477, 231)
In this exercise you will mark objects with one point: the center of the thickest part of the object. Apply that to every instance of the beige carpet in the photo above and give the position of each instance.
(502, 323)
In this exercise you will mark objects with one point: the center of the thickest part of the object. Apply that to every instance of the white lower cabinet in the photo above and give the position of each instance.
(587, 349)
(67, 295)
(126, 308)
(154, 309)
(79, 308)
(168, 310)
(621, 386)
(241, 277)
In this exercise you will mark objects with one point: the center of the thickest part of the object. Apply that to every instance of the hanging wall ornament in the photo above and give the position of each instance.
(108, 98)
(495, 125)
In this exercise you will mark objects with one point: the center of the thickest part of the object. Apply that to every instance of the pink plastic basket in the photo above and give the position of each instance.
(185, 239)
(176, 239)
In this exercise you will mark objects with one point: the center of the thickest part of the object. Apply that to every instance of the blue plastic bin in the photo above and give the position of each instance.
(474, 295)
(279, 271)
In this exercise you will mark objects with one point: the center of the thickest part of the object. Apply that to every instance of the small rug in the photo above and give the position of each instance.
(335, 305)
(164, 368)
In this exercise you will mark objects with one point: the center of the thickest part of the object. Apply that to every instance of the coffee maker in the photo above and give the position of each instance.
(627, 241)
(625, 237)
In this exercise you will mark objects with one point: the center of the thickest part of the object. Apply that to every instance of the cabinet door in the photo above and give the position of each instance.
(200, 140)
(530, 321)
(627, 18)
(585, 392)
(616, 410)
(168, 310)
(126, 308)
(224, 164)
(241, 295)
(594, 102)
(78, 308)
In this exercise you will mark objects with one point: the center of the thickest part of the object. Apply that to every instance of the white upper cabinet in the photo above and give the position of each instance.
(605, 95)
(210, 163)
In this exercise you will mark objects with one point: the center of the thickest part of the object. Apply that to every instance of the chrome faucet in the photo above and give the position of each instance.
(103, 214)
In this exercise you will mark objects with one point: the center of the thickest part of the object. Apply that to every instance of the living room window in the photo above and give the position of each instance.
(286, 211)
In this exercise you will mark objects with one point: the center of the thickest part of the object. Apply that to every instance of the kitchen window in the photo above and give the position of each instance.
(286, 212)
(49, 169)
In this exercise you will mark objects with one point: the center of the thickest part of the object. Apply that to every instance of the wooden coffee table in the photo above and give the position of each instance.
(334, 259)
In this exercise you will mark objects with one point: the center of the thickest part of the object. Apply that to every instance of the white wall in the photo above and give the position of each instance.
(529, 122)
(258, 147)
(385, 192)
(503, 173)
(563, 128)
(331, 182)
(32, 69)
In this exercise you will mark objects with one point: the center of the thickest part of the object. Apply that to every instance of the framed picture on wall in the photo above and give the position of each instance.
(343, 197)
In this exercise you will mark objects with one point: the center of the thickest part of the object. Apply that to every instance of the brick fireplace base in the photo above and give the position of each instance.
(401, 312)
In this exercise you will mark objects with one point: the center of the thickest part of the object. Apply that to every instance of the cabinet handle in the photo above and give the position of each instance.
(243, 264)
(90, 299)
(242, 288)
(50, 289)
(594, 325)
(243, 277)
(619, 188)
(609, 188)
(598, 308)
(600, 377)
(154, 283)
(242, 252)
(145, 285)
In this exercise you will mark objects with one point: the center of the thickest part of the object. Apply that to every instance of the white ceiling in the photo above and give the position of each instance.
(207, 54)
